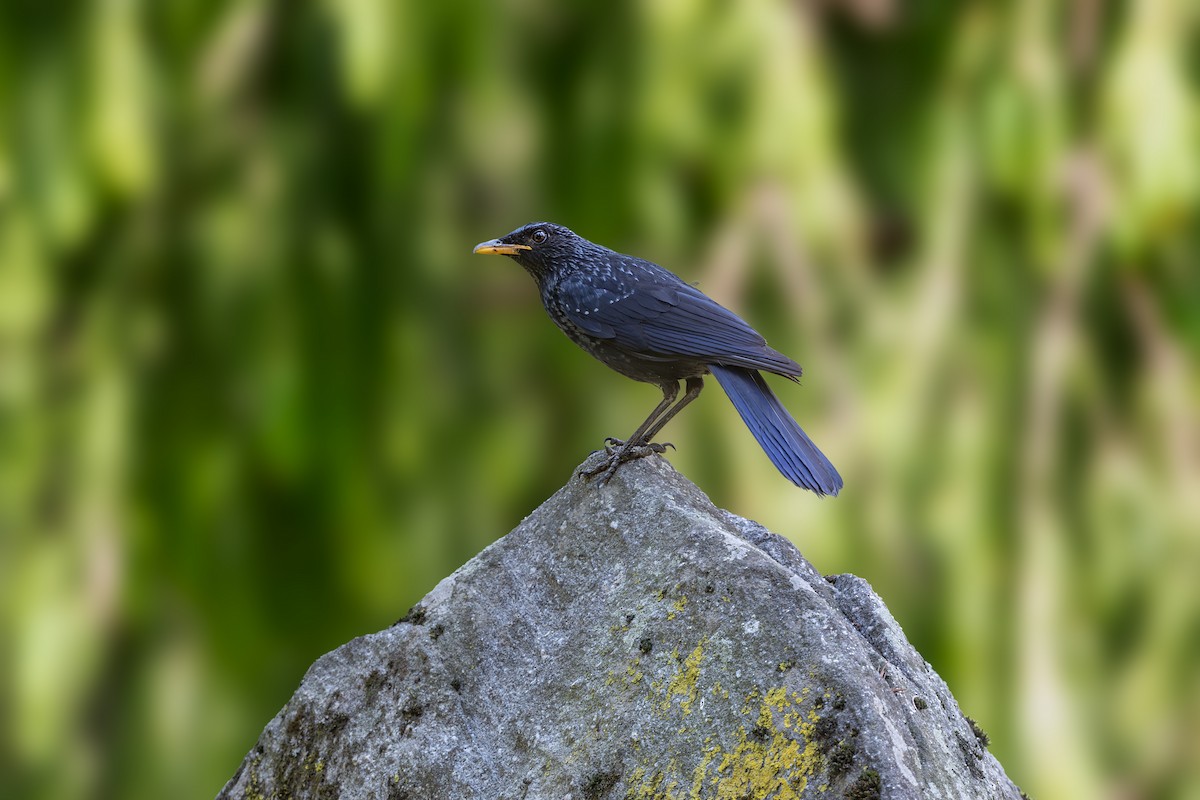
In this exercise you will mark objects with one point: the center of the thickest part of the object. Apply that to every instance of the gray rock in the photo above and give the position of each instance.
(628, 641)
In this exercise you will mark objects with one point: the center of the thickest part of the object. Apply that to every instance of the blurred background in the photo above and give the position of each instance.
(257, 397)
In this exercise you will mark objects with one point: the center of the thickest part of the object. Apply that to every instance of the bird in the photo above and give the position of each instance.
(648, 324)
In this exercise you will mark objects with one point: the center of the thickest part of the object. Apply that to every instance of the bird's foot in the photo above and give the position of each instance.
(613, 444)
(618, 453)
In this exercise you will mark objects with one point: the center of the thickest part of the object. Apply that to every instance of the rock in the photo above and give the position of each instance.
(628, 641)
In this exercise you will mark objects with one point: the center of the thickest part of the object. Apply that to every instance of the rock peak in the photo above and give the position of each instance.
(631, 640)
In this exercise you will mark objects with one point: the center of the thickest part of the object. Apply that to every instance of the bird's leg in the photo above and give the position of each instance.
(670, 391)
(622, 451)
(694, 385)
(641, 444)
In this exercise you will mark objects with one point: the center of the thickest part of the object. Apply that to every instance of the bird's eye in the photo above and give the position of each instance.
(539, 237)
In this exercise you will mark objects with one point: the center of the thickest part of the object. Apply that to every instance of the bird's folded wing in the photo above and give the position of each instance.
(668, 320)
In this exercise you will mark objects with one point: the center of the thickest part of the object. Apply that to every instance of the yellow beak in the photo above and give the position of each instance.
(495, 247)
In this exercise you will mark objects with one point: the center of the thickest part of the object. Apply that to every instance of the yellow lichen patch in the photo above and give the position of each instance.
(775, 759)
(638, 787)
(633, 675)
(701, 772)
(653, 787)
(677, 606)
(629, 679)
(751, 701)
(757, 769)
(684, 684)
(768, 762)
(776, 698)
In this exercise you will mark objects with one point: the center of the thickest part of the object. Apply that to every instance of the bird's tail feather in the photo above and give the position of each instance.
(788, 447)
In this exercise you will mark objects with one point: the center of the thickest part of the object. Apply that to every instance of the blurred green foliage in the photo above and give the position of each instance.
(256, 396)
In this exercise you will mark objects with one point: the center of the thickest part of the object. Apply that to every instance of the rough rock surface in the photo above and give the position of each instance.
(628, 641)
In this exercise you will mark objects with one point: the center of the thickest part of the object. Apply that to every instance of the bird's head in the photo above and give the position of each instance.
(539, 247)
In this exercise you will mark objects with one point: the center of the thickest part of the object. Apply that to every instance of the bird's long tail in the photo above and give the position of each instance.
(788, 447)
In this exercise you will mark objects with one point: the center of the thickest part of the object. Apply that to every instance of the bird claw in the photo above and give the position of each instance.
(605, 471)
(612, 444)
(618, 453)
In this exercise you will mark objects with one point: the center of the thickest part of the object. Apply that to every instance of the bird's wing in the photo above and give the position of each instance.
(652, 314)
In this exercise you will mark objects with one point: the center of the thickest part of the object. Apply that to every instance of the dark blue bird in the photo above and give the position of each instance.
(649, 325)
